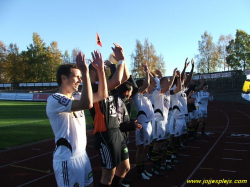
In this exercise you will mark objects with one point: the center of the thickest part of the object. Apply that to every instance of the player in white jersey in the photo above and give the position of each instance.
(203, 97)
(161, 98)
(65, 112)
(145, 114)
(192, 110)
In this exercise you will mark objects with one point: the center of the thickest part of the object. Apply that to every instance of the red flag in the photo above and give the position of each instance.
(98, 41)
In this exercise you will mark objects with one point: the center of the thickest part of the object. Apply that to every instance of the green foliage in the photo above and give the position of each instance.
(37, 64)
(146, 54)
(208, 59)
(239, 51)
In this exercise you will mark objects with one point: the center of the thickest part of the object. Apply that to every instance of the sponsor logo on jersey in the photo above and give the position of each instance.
(125, 150)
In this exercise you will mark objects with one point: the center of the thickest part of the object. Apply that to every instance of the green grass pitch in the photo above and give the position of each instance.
(24, 122)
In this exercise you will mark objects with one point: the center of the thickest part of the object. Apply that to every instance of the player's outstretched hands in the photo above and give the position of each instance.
(108, 63)
(175, 72)
(145, 67)
(186, 62)
(138, 126)
(97, 61)
(81, 62)
(192, 62)
(118, 52)
(178, 74)
(211, 94)
(158, 72)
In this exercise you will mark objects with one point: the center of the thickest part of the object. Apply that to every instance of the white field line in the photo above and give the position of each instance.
(234, 150)
(207, 152)
(53, 172)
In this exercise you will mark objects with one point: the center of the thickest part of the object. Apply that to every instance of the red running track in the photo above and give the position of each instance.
(223, 154)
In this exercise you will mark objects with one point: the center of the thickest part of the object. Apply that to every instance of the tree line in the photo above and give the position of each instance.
(39, 62)
(227, 54)
(36, 64)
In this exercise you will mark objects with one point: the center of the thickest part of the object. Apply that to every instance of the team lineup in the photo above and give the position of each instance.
(169, 113)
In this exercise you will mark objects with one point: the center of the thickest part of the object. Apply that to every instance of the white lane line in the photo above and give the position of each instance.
(26, 159)
(234, 150)
(231, 158)
(36, 179)
(53, 172)
(208, 151)
(238, 143)
(35, 157)
(243, 113)
(228, 170)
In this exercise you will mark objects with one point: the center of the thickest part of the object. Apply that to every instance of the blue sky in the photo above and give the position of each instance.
(173, 27)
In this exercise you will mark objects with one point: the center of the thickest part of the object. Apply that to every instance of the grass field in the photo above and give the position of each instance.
(24, 122)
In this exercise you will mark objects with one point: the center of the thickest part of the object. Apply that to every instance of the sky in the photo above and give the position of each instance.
(174, 27)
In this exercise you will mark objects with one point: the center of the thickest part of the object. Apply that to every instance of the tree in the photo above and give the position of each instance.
(74, 53)
(208, 59)
(3, 57)
(66, 58)
(221, 46)
(145, 54)
(239, 51)
(14, 67)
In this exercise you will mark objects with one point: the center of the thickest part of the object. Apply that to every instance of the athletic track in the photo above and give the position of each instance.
(223, 154)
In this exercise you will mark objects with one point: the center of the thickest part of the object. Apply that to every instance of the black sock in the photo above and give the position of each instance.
(150, 149)
(117, 181)
(160, 158)
(154, 158)
(169, 153)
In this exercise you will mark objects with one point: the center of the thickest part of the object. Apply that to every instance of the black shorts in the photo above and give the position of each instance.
(111, 147)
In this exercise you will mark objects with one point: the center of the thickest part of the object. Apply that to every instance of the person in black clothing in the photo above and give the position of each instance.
(108, 139)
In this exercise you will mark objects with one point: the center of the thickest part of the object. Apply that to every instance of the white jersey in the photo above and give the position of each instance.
(161, 104)
(69, 127)
(142, 104)
(179, 104)
(202, 99)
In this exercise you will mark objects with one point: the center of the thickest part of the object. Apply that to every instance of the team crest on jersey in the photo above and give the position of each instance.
(64, 101)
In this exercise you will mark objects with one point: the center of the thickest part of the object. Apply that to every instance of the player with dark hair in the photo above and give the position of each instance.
(108, 139)
(145, 114)
(161, 98)
(65, 112)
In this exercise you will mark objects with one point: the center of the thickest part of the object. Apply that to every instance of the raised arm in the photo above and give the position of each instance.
(170, 83)
(152, 83)
(117, 78)
(190, 76)
(178, 86)
(86, 100)
(202, 81)
(146, 80)
(211, 96)
(184, 69)
(98, 64)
